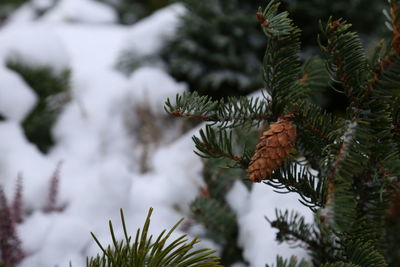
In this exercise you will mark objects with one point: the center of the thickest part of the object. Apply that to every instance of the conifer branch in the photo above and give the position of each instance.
(217, 218)
(292, 262)
(317, 130)
(144, 251)
(357, 157)
(229, 113)
(340, 264)
(347, 61)
(292, 228)
(363, 253)
(295, 177)
(281, 60)
(314, 77)
(217, 143)
(388, 66)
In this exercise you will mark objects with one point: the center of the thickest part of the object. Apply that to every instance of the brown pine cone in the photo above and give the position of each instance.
(274, 146)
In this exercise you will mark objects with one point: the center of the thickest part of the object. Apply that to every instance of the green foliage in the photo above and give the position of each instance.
(347, 61)
(214, 143)
(298, 178)
(345, 167)
(292, 262)
(217, 48)
(363, 254)
(282, 58)
(7, 6)
(316, 238)
(229, 113)
(212, 210)
(145, 251)
(129, 11)
(52, 89)
(392, 241)
(221, 226)
(340, 264)
(365, 16)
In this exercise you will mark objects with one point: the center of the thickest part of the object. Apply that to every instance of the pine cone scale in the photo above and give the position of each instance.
(274, 146)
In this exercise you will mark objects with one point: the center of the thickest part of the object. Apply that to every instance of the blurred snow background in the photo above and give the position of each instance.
(108, 160)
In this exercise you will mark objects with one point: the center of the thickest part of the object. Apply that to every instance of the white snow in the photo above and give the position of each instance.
(84, 11)
(99, 149)
(16, 98)
(146, 36)
(255, 234)
(19, 156)
(145, 87)
(34, 45)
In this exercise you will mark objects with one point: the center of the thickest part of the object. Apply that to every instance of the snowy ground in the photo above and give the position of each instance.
(97, 139)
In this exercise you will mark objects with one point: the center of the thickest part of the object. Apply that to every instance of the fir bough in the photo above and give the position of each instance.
(145, 250)
(346, 168)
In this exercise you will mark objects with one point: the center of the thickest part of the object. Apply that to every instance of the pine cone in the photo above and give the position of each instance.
(274, 146)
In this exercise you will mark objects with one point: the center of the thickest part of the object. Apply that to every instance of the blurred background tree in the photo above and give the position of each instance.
(218, 48)
(53, 91)
(218, 45)
(365, 16)
(130, 11)
(7, 6)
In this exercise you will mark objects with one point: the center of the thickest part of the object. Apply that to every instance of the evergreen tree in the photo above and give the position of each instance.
(217, 48)
(129, 11)
(345, 168)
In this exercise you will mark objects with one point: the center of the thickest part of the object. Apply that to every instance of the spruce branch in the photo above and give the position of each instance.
(221, 225)
(394, 24)
(316, 238)
(293, 229)
(356, 156)
(386, 78)
(348, 64)
(229, 113)
(314, 76)
(340, 264)
(363, 253)
(218, 143)
(211, 209)
(292, 262)
(274, 24)
(219, 220)
(387, 67)
(281, 61)
(316, 130)
(295, 177)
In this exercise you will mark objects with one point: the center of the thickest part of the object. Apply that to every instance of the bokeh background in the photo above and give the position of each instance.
(83, 131)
